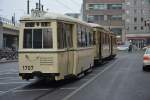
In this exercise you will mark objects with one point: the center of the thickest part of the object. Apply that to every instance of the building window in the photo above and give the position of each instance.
(142, 19)
(135, 2)
(114, 6)
(135, 11)
(116, 17)
(135, 19)
(141, 11)
(97, 6)
(135, 28)
(142, 27)
(118, 31)
(90, 18)
(95, 18)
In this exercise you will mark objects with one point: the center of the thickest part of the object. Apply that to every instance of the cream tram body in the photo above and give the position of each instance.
(104, 43)
(54, 46)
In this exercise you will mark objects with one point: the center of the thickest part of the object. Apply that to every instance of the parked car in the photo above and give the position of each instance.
(123, 47)
(146, 59)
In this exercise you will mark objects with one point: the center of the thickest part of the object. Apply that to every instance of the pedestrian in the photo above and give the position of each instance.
(130, 48)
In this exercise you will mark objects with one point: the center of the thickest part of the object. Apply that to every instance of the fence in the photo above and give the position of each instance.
(8, 54)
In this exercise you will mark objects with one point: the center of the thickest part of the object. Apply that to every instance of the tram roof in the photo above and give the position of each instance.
(53, 16)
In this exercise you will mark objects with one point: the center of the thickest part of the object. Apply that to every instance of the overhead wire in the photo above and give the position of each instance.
(66, 6)
(75, 2)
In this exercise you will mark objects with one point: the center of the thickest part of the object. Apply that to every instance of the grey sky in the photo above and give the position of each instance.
(8, 7)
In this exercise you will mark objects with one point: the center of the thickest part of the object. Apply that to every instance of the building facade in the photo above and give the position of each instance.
(108, 13)
(74, 15)
(130, 19)
(137, 14)
(9, 34)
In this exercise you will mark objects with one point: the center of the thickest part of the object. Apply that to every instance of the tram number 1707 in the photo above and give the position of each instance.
(27, 67)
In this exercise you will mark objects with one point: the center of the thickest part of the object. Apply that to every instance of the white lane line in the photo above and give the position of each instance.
(10, 78)
(71, 88)
(91, 74)
(31, 90)
(86, 79)
(88, 82)
(12, 89)
(8, 71)
(9, 74)
(14, 83)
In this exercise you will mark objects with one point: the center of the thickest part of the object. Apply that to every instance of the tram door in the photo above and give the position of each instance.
(70, 52)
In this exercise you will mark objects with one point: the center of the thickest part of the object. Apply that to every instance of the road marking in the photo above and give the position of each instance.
(8, 71)
(14, 83)
(91, 74)
(71, 88)
(86, 79)
(10, 78)
(88, 82)
(12, 89)
(9, 74)
(31, 90)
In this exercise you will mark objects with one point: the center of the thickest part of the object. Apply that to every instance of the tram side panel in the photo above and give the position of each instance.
(85, 60)
(96, 43)
(114, 45)
(84, 53)
(105, 46)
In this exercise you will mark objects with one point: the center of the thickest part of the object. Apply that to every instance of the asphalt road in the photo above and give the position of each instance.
(118, 79)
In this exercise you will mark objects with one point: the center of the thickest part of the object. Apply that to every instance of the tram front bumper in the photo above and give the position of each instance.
(39, 75)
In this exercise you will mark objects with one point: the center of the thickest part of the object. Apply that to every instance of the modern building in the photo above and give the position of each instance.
(9, 34)
(137, 27)
(74, 15)
(109, 13)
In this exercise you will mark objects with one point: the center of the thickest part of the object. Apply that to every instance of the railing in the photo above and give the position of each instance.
(7, 21)
(8, 54)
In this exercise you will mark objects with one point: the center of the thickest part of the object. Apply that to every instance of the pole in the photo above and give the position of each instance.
(28, 7)
(39, 5)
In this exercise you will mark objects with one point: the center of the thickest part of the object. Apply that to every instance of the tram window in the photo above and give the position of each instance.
(88, 44)
(79, 36)
(47, 38)
(83, 37)
(37, 24)
(45, 24)
(37, 38)
(60, 37)
(90, 40)
(94, 38)
(64, 36)
(69, 35)
(27, 43)
(29, 24)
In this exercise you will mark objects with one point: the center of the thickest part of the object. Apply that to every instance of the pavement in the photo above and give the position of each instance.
(119, 79)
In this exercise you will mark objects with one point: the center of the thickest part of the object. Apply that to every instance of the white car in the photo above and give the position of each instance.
(123, 47)
(146, 59)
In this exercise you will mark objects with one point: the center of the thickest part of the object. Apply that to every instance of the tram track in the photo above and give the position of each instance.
(75, 89)
(50, 87)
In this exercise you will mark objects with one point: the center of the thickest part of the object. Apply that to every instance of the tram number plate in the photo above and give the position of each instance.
(27, 67)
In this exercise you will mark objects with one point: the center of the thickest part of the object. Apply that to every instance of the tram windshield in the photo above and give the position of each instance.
(38, 38)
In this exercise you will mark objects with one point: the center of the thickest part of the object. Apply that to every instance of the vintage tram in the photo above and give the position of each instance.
(105, 43)
(55, 46)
